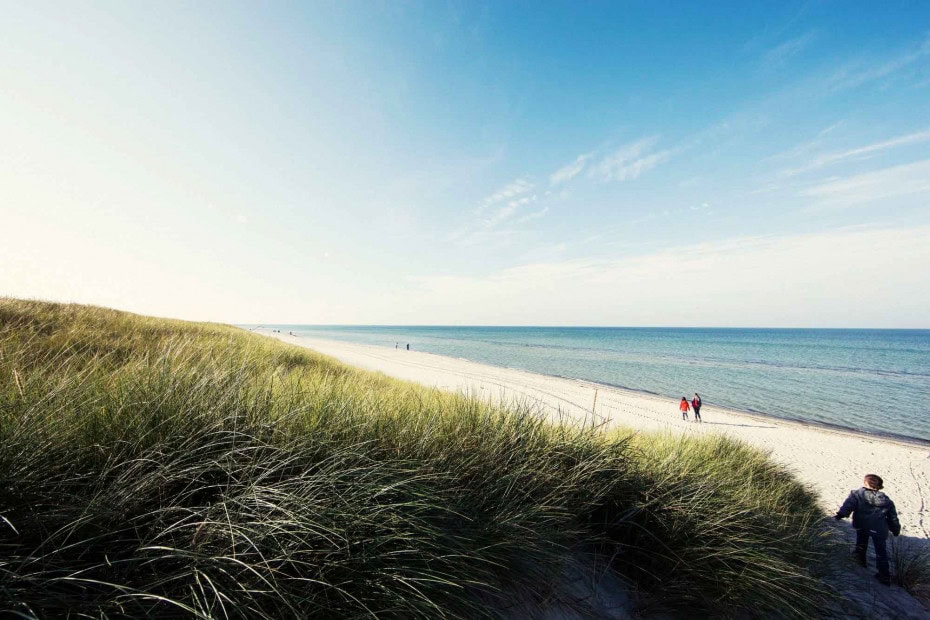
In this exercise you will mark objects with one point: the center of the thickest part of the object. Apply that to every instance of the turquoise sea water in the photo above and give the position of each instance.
(877, 381)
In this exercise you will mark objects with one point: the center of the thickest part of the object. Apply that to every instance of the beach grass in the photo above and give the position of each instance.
(164, 468)
(910, 564)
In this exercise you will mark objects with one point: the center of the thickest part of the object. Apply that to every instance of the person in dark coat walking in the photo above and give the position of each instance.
(874, 515)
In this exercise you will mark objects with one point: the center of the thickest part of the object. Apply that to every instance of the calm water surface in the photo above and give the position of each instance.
(876, 381)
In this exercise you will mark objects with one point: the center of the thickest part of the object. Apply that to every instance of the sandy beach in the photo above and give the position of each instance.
(831, 461)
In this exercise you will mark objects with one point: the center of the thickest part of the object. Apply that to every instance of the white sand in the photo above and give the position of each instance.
(833, 462)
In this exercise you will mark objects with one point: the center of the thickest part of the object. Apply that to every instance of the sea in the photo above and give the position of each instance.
(872, 381)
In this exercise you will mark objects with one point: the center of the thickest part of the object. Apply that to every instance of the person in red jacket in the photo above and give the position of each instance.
(696, 405)
(684, 407)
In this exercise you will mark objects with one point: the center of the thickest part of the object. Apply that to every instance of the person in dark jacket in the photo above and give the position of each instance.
(873, 516)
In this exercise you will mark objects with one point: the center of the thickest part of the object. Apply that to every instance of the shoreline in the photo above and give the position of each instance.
(831, 461)
(757, 415)
(764, 417)
(760, 416)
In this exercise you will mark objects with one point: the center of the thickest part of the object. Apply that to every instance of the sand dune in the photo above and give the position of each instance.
(831, 461)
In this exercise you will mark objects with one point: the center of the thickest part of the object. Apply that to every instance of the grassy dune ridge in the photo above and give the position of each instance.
(160, 467)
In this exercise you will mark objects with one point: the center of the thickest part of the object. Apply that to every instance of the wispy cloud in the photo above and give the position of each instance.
(532, 215)
(801, 281)
(499, 214)
(630, 161)
(828, 159)
(512, 189)
(907, 179)
(507, 205)
(853, 76)
(508, 210)
(570, 171)
(782, 53)
(805, 149)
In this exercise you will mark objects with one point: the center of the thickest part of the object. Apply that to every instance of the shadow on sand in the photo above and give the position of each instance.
(860, 594)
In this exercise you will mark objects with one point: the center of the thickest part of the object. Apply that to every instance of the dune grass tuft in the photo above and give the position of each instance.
(910, 562)
(163, 468)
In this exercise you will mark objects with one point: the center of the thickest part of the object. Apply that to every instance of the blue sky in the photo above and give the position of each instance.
(471, 163)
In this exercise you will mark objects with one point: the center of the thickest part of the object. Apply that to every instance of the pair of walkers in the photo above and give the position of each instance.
(684, 406)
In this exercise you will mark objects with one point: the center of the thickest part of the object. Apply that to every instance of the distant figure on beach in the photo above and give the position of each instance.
(684, 406)
(696, 405)
(395, 345)
(873, 516)
(408, 346)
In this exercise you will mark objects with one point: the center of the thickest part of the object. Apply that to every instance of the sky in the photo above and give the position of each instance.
(475, 163)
